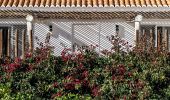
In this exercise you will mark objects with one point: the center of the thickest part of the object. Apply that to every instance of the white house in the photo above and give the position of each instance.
(81, 22)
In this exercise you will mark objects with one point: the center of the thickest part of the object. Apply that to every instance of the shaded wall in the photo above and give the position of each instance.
(82, 32)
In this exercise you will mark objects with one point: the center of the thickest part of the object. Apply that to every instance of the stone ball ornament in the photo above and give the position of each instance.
(138, 18)
(29, 18)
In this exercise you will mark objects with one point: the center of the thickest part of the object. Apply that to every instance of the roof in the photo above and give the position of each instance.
(84, 3)
(85, 9)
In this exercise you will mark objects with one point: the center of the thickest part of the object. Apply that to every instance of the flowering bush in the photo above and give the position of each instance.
(84, 74)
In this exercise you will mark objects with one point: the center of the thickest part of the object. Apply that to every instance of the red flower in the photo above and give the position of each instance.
(122, 69)
(38, 59)
(17, 65)
(80, 56)
(28, 55)
(77, 81)
(81, 65)
(130, 74)
(95, 91)
(139, 84)
(85, 82)
(18, 60)
(69, 86)
(124, 98)
(30, 67)
(55, 84)
(85, 74)
(11, 67)
(113, 77)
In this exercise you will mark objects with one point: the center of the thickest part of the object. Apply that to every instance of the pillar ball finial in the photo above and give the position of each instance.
(139, 18)
(29, 18)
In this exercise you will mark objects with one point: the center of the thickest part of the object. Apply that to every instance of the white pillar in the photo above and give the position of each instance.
(29, 19)
(137, 26)
(138, 19)
(156, 36)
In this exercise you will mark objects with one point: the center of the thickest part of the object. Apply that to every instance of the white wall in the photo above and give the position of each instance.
(62, 30)
(83, 30)
(8, 22)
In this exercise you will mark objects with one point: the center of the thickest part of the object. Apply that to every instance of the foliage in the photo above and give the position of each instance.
(122, 73)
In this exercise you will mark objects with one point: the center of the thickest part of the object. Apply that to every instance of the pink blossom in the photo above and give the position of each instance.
(85, 74)
(85, 83)
(11, 67)
(18, 60)
(130, 74)
(95, 91)
(77, 81)
(121, 69)
(69, 86)
(28, 55)
(124, 98)
(113, 77)
(55, 84)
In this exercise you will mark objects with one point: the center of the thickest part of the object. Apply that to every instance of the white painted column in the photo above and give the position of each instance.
(137, 26)
(156, 35)
(138, 19)
(29, 19)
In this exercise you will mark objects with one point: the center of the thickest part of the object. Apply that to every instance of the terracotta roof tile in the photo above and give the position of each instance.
(72, 3)
(132, 2)
(137, 3)
(53, 3)
(37, 3)
(153, 3)
(84, 3)
(95, 3)
(21, 3)
(111, 3)
(158, 2)
(148, 3)
(168, 2)
(48, 3)
(10, 3)
(143, 3)
(32, 2)
(5, 3)
(127, 3)
(26, 3)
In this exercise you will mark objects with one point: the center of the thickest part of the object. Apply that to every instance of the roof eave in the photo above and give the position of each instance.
(87, 9)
